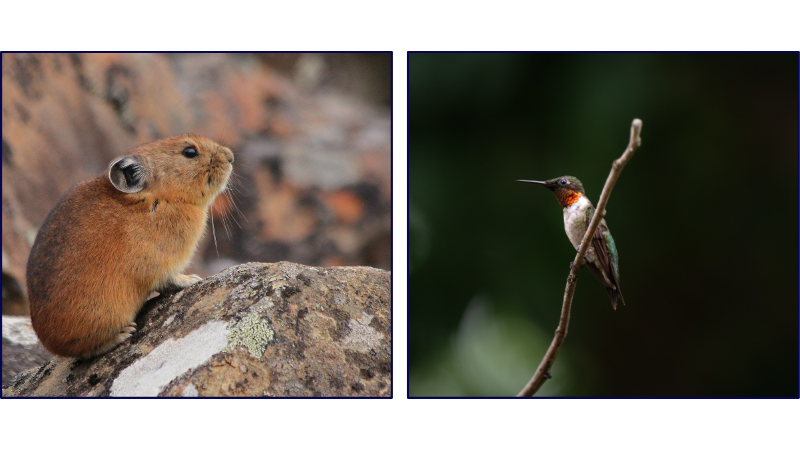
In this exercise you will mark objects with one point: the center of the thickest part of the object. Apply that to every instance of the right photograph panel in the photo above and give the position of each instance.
(530, 276)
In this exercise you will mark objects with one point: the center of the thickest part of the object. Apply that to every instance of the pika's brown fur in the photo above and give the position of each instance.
(109, 242)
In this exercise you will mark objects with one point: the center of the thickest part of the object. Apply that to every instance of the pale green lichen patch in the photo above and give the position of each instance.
(252, 332)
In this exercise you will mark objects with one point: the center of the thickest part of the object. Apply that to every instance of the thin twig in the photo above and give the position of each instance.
(542, 374)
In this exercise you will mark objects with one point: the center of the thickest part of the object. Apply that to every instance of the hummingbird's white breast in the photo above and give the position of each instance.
(575, 220)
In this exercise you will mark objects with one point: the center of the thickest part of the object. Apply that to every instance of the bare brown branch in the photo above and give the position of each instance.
(542, 373)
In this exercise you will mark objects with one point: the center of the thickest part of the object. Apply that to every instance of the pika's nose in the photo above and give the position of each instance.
(228, 154)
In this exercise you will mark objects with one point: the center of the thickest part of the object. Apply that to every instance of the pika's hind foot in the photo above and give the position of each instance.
(124, 334)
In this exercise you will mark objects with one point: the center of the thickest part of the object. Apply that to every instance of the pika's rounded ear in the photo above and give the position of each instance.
(127, 174)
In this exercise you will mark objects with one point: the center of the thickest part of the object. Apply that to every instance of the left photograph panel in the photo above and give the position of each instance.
(197, 224)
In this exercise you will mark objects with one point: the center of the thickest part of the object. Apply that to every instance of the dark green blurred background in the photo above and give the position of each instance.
(704, 216)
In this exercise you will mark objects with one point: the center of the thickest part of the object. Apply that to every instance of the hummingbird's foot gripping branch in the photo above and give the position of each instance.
(542, 373)
(572, 263)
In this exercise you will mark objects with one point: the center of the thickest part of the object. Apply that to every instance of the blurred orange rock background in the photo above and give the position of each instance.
(311, 134)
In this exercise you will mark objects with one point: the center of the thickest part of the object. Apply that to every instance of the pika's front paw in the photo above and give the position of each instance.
(182, 281)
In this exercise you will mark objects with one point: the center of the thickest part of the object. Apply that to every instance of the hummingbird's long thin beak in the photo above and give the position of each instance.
(531, 181)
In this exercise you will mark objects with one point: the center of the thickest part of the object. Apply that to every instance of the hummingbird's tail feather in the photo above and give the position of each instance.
(612, 285)
(614, 295)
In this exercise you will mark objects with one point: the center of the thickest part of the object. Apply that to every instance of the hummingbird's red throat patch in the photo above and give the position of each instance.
(567, 197)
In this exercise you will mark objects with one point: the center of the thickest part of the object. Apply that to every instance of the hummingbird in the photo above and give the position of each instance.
(601, 257)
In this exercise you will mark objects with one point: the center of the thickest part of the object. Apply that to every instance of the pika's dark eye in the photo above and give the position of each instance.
(190, 152)
(563, 182)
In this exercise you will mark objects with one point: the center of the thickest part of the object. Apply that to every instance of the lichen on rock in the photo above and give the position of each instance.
(253, 332)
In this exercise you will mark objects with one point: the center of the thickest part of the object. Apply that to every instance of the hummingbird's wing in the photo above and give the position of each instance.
(604, 257)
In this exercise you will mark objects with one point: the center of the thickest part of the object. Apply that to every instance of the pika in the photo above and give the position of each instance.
(109, 242)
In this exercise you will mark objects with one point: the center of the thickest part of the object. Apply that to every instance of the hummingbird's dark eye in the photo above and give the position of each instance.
(190, 152)
(562, 182)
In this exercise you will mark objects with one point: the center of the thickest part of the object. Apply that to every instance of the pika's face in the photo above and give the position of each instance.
(187, 169)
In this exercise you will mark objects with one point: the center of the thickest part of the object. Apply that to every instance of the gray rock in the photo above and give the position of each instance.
(255, 330)
(21, 348)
